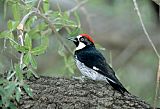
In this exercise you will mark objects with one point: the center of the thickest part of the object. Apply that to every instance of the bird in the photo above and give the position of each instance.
(92, 63)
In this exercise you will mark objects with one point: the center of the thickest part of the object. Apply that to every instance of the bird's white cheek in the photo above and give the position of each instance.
(80, 46)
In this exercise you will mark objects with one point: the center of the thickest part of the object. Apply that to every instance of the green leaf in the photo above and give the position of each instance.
(11, 39)
(8, 35)
(10, 88)
(41, 49)
(34, 73)
(12, 106)
(2, 91)
(45, 5)
(4, 34)
(55, 15)
(45, 41)
(29, 74)
(1, 103)
(12, 25)
(38, 50)
(27, 90)
(42, 26)
(78, 19)
(75, 32)
(18, 93)
(28, 41)
(58, 27)
(65, 16)
(33, 62)
(34, 33)
(27, 58)
(21, 48)
(16, 11)
(4, 96)
(2, 81)
(18, 72)
(30, 22)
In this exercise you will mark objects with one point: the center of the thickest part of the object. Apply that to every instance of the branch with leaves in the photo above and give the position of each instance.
(33, 23)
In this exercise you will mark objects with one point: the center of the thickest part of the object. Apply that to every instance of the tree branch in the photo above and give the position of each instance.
(77, 7)
(88, 17)
(36, 12)
(62, 93)
(20, 30)
(154, 48)
(144, 28)
(39, 2)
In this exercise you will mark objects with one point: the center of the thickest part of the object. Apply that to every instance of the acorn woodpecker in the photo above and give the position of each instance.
(92, 64)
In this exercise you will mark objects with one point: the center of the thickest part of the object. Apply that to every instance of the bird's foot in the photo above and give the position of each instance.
(81, 78)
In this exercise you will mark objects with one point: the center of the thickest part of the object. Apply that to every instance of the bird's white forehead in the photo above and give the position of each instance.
(79, 36)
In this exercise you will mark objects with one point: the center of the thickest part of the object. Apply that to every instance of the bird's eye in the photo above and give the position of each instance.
(82, 39)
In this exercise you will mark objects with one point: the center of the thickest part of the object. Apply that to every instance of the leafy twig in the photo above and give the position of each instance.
(54, 30)
(36, 12)
(20, 30)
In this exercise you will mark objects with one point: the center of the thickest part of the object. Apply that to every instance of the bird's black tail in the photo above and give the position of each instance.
(118, 86)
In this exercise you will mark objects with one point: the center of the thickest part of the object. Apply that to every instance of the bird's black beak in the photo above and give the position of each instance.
(72, 39)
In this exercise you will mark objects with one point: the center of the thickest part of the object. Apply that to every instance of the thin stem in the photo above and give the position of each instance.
(144, 29)
(24, 19)
(8, 78)
(20, 29)
(39, 2)
(154, 48)
(4, 43)
(157, 87)
(77, 7)
(88, 17)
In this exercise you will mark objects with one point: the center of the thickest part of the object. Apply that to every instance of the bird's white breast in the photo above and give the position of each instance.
(80, 46)
(88, 72)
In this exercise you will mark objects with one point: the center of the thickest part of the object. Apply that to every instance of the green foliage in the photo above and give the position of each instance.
(35, 42)
(28, 90)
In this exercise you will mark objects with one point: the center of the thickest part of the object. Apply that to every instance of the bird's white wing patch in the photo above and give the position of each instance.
(95, 68)
(110, 80)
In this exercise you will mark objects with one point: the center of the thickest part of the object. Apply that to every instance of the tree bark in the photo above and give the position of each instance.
(63, 93)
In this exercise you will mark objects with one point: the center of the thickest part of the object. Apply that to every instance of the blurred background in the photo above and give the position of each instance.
(116, 29)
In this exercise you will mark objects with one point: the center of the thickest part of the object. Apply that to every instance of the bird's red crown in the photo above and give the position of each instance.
(88, 37)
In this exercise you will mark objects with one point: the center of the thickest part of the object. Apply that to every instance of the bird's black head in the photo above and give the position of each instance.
(82, 40)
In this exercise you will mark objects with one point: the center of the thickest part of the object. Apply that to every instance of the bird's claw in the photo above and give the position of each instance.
(81, 78)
